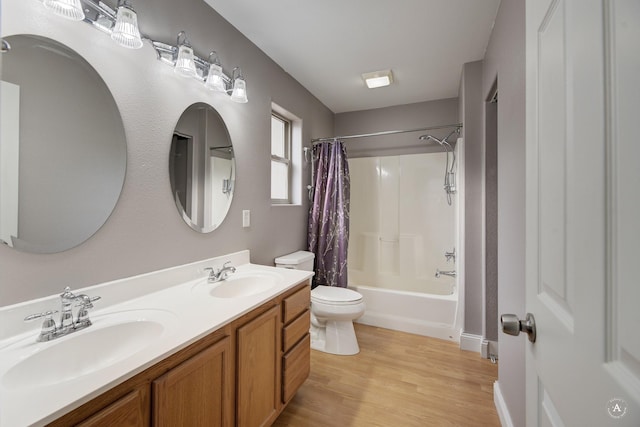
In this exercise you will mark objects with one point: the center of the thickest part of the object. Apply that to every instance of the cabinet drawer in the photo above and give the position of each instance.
(295, 304)
(292, 333)
(295, 368)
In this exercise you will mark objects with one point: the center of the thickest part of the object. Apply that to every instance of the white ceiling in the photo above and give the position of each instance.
(327, 44)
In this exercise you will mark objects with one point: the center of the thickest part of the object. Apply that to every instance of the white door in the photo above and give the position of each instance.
(583, 212)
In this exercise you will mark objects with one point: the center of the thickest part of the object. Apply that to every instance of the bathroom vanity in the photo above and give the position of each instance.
(240, 374)
(241, 368)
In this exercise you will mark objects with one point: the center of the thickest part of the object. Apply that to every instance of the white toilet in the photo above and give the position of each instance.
(333, 310)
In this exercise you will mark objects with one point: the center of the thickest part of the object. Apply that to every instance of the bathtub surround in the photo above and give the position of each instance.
(329, 214)
(402, 226)
(145, 232)
(401, 223)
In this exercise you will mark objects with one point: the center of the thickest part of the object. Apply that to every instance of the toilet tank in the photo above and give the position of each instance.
(300, 260)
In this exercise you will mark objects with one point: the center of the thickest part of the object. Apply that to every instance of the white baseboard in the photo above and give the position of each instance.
(501, 406)
(470, 342)
(484, 349)
(489, 348)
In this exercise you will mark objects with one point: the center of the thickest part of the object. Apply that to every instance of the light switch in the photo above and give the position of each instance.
(246, 218)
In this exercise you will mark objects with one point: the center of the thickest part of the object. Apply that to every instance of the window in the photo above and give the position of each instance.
(280, 160)
(286, 157)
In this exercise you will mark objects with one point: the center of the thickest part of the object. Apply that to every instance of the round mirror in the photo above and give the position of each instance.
(63, 152)
(202, 168)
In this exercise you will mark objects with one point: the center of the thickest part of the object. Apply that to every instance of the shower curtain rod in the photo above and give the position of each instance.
(387, 132)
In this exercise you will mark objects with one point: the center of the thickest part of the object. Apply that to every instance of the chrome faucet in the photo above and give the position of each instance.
(221, 274)
(67, 298)
(85, 303)
(445, 273)
(67, 325)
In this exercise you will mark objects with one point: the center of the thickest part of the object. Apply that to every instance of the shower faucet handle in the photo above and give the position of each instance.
(445, 273)
(450, 255)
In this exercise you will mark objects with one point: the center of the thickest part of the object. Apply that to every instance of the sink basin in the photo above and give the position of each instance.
(244, 284)
(112, 337)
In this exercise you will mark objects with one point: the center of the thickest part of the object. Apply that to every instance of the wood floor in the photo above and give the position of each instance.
(397, 380)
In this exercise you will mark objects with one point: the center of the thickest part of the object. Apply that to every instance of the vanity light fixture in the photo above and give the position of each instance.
(378, 78)
(215, 80)
(208, 71)
(239, 93)
(125, 30)
(70, 9)
(121, 24)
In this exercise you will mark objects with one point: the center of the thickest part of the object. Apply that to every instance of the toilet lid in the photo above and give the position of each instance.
(334, 294)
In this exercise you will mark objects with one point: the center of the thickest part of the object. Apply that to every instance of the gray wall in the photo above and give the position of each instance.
(491, 222)
(145, 231)
(410, 116)
(473, 133)
(505, 60)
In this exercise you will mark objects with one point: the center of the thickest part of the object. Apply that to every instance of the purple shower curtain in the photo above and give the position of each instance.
(328, 235)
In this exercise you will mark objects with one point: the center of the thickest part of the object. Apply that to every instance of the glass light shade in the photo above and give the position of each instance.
(185, 65)
(239, 93)
(125, 31)
(70, 9)
(214, 79)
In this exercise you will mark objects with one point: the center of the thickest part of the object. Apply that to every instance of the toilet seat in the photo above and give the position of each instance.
(335, 295)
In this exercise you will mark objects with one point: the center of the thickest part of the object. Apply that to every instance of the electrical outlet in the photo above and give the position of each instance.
(246, 218)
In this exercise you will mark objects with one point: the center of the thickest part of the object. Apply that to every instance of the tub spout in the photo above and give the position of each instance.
(445, 273)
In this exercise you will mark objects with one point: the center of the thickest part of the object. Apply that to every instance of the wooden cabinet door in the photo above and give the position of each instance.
(197, 392)
(258, 370)
(132, 410)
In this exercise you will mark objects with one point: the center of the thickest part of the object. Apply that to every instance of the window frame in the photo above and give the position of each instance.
(286, 160)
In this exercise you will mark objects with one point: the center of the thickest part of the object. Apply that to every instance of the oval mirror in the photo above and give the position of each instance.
(202, 168)
(63, 152)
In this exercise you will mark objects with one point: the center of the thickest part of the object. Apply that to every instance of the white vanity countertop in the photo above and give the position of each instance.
(186, 310)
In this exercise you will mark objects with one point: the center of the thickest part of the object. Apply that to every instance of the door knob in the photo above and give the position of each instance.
(513, 326)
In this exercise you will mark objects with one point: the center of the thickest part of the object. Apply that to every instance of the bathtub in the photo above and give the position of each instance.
(421, 313)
